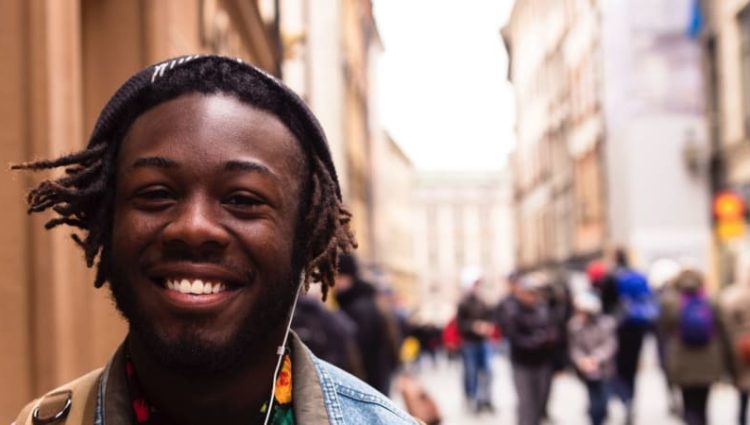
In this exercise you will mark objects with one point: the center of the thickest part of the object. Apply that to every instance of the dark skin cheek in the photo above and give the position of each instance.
(266, 242)
(123, 233)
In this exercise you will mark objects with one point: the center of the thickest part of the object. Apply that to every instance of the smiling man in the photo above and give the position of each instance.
(207, 200)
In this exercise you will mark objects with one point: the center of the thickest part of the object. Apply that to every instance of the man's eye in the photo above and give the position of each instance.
(153, 198)
(242, 200)
(154, 194)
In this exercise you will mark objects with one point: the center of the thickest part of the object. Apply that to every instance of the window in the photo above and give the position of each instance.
(744, 26)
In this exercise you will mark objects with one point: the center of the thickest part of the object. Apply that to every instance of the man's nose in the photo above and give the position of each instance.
(196, 226)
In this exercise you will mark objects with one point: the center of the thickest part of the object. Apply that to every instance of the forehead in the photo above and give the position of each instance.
(213, 127)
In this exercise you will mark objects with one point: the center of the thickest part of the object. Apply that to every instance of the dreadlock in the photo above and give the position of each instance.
(83, 197)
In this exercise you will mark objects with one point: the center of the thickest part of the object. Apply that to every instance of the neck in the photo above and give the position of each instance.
(230, 398)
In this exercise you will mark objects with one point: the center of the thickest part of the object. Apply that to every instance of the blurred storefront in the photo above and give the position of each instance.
(61, 60)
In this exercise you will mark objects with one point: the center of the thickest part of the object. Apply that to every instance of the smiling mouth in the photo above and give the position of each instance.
(195, 286)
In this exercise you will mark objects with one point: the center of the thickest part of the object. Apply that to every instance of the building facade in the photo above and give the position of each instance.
(557, 165)
(463, 220)
(726, 47)
(610, 124)
(394, 185)
(656, 132)
(329, 49)
(61, 61)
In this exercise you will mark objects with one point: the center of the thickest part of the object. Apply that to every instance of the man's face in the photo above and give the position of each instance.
(206, 205)
(528, 297)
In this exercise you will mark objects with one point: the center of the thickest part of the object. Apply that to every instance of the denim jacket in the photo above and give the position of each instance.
(323, 395)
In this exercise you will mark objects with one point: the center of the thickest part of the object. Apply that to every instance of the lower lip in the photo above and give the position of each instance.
(196, 302)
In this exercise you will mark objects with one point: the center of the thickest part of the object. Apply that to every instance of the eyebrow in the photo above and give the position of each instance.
(237, 165)
(234, 165)
(155, 161)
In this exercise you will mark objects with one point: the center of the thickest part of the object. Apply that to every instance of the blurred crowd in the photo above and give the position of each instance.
(597, 330)
(594, 328)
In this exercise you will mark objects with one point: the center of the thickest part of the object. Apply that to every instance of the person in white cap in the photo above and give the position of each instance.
(593, 345)
(474, 319)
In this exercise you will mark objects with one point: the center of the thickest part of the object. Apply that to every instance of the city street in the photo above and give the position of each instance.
(568, 402)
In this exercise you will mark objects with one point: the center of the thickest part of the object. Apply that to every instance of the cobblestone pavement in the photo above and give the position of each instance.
(568, 399)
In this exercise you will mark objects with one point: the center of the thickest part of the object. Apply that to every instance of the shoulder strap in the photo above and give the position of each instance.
(72, 403)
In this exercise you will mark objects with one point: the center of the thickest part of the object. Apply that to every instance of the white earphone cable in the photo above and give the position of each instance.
(280, 351)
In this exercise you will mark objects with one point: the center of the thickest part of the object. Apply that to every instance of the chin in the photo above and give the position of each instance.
(191, 349)
(192, 353)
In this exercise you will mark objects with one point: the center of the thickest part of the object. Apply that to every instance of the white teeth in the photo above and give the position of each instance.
(184, 286)
(195, 287)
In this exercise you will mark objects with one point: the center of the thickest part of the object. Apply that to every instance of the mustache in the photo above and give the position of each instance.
(186, 255)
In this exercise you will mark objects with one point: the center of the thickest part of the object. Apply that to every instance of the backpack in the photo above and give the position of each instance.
(696, 321)
(73, 403)
(639, 307)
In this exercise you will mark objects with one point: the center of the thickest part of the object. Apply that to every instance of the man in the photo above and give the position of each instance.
(638, 311)
(698, 350)
(474, 320)
(605, 284)
(533, 332)
(207, 199)
(376, 333)
(330, 335)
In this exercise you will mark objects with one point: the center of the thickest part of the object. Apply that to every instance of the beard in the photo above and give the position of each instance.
(190, 353)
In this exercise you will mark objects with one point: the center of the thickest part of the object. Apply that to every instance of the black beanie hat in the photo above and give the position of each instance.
(134, 98)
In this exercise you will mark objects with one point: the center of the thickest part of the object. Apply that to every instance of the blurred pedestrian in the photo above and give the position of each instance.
(661, 277)
(533, 334)
(452, 340)
(512, 281)
(593, 345)
(735, 302)
(637, 313)
(330, 335)
(561, 308)
(430, 341)
(376, 340)
(475, 326)
(605, 284)
(698, 352)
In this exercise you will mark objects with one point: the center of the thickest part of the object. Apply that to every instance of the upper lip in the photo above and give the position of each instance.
(202, 271)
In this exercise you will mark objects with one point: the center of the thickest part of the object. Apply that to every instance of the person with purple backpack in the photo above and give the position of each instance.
(697, 344)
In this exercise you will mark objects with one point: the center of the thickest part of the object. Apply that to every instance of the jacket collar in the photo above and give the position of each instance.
(309, 403)
(113, 400)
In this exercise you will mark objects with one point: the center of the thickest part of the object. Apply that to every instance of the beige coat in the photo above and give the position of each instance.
(735, 301)
(690, 366)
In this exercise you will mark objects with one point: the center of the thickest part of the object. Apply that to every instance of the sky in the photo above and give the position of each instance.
(442, 82)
